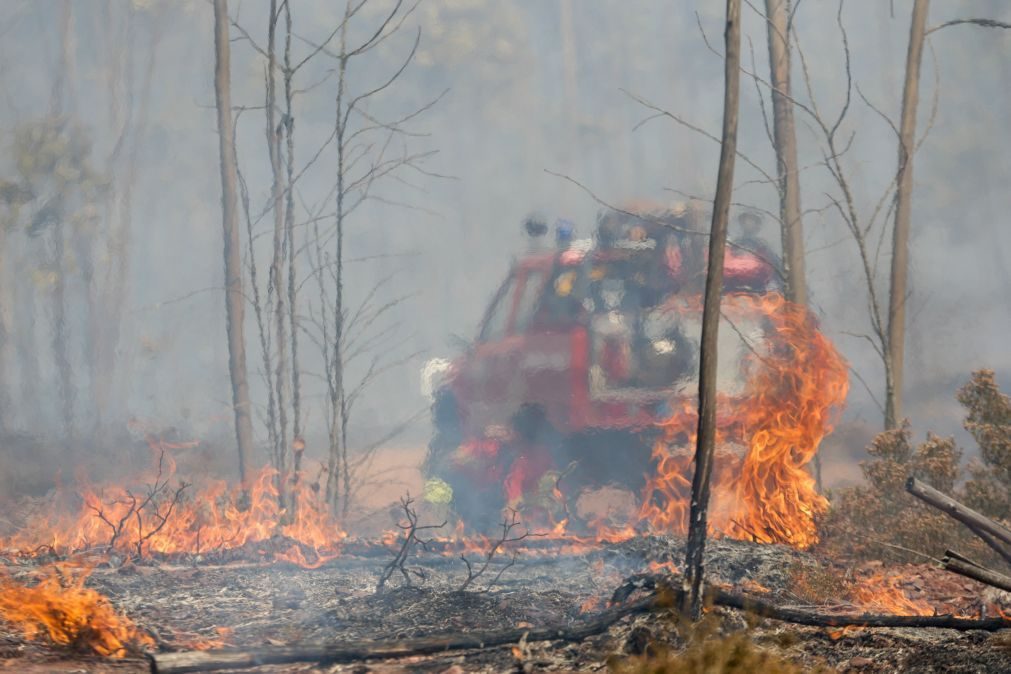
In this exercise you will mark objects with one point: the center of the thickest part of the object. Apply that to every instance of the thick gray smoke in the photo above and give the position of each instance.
(533, 88)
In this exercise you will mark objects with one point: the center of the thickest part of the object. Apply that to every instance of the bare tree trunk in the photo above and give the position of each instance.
(706, 440)
(234, 309)
(289, 234)
(785, 135)
(61, 356)
(6, 300)
(275, 279)
(111, 369)
(25, 345)
(903, 206)
(63, 99)
(338, 423)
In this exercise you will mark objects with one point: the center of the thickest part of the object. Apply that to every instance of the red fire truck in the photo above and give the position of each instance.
(583, 349)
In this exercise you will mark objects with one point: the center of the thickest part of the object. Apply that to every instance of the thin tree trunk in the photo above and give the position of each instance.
(7, 299)
(784, 133)
(61, 356)
(63, 100)
(338, 423)
(903, 206)
(706, 440)
(109, 389)
(25, 344)
(275, 280)
(234, 309)
(289, 233)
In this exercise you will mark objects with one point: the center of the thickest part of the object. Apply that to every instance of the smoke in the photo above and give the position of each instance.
(531, 88)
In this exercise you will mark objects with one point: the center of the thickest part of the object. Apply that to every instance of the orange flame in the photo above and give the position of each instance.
(882, 592)
(766, 494)
(70, 614)
(194, 521)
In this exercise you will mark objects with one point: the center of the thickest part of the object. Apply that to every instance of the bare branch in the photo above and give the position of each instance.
(985, 23)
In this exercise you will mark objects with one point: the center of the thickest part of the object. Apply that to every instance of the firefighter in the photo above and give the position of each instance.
(531, 478)
(751, 264)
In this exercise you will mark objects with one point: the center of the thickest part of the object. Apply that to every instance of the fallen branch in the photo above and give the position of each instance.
(353, 651)
(992, 533)
(661, 596)
(970, 569)
(715, 596)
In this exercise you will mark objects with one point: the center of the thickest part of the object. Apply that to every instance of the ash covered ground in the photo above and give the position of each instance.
(246, 606)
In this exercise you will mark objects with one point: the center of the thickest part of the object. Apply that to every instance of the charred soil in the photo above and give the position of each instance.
(252, 605)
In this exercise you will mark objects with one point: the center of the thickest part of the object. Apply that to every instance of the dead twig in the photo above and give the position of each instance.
(411, 540)
(505, 539)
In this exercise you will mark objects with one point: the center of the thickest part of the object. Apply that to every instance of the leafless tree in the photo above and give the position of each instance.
(368, 150)
(156, 505)
(787, 167)
(785, 141)
(898, 292)
(706, 442)
(234, 300)
(135, 37)
(898, 289)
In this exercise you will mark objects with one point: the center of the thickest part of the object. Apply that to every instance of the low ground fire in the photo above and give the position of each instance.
(478, 336)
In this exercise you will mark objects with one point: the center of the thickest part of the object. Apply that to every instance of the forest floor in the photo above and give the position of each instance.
(245, 605)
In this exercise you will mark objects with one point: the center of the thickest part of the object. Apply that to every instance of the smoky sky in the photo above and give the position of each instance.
(532, 89)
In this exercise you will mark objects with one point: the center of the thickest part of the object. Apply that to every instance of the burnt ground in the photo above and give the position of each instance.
(264, 605)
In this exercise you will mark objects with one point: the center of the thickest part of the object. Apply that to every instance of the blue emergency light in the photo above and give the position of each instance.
(564, 229)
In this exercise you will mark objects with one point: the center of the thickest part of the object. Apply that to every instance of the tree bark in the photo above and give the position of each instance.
(980, 574)
(289, 233)
(785, 136)
(234, 307)
(64, 102)
(991, 532)
(903, 206)
(784, 132)
(275, 282)
(337, 459)
(711, 317)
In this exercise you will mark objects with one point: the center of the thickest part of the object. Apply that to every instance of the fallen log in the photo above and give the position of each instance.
(353, 651)
(719, 597)
(661, 597)
(992, 533)
(970, 569)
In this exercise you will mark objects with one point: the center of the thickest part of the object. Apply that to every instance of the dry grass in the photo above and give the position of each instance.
(707, 653)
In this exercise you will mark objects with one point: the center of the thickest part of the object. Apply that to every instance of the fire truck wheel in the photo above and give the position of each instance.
(618, 459)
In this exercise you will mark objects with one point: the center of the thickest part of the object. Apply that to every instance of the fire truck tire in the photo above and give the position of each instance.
(606, 458)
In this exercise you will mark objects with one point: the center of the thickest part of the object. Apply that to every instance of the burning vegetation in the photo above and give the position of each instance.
(765, 492)
(624, 466)
(59, 607)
